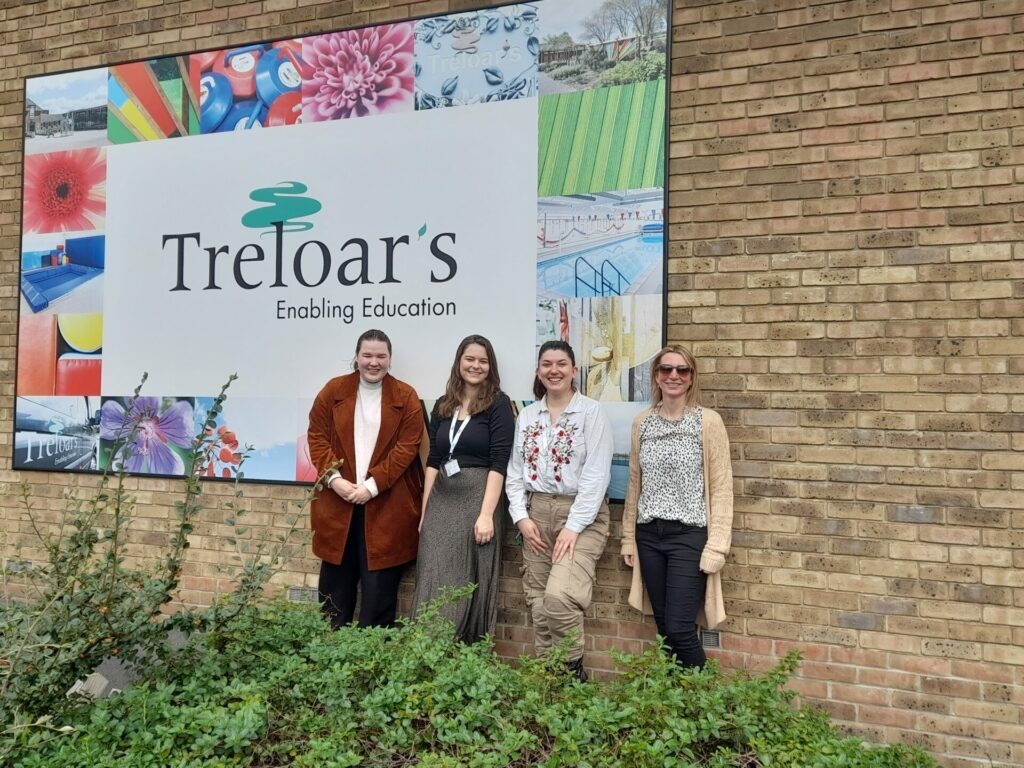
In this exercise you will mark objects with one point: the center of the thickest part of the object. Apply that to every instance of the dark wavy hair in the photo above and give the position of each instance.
(371, 335)
(488, 391)
(560, 346)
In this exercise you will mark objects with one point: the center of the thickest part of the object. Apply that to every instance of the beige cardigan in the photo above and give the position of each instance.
(718, 502)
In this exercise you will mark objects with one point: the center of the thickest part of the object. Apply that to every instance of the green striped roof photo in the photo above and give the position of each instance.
(602, 139)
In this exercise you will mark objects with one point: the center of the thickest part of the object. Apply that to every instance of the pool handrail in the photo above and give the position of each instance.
(605, 283)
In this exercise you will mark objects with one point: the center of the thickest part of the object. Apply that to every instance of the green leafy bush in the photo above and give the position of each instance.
(277, 687)
(85, 603)
(650, 66)
(596, 58)
(568, 71)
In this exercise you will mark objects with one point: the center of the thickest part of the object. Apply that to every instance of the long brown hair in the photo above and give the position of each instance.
(489, 389)
(693, 394)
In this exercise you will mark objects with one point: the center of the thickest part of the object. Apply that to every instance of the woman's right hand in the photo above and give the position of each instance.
(531, 535)
(628, 560)
(483, 529)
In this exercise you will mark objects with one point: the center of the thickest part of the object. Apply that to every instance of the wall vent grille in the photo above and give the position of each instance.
(710, 639)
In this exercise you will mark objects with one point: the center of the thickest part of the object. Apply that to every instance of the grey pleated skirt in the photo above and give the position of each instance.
(450, 557)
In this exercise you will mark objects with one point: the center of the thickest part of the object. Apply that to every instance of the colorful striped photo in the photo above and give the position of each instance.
(602, 140)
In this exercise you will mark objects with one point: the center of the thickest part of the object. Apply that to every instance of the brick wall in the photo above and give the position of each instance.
(847, 262)
(847, 217)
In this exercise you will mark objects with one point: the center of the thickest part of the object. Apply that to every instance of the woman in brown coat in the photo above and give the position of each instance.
(364, 437)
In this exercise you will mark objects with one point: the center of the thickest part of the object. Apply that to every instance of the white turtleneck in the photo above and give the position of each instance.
(367, 428)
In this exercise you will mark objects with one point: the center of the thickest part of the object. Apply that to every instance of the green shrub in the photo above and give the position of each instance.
(84, 604)
(568, 71)
(650, 66)
(596, 59)
(277, 687)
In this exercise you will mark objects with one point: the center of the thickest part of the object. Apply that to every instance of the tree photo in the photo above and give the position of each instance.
(600, 43)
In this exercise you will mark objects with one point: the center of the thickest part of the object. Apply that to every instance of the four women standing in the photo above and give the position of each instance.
(365, 432)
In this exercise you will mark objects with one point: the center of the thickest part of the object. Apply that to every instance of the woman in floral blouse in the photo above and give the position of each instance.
(557, 478)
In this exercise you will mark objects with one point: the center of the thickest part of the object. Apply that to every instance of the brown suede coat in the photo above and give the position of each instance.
(393, 516)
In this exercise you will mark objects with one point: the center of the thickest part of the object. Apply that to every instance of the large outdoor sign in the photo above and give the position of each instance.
(253, 210)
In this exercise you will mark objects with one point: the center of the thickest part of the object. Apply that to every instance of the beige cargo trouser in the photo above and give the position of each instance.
(559, 593)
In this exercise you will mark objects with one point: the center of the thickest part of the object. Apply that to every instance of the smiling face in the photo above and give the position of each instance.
(474, 365)
(674, 375)
(373, 361)
(556, 371)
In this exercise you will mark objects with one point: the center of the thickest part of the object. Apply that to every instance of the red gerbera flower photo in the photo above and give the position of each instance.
(66, 191)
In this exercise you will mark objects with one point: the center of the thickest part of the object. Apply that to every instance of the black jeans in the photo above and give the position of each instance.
(338, 583)
(669, 554)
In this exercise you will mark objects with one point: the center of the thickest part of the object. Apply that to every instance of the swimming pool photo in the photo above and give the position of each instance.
(607, 244)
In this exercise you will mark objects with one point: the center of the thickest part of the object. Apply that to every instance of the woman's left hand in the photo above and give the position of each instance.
(483, 530)
(565, 544)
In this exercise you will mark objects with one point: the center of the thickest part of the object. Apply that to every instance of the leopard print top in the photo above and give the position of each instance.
(672, 466)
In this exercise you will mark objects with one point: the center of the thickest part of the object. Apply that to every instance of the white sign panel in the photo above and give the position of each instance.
(398, 242)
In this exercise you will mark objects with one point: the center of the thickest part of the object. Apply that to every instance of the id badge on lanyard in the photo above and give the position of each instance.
(451, 467)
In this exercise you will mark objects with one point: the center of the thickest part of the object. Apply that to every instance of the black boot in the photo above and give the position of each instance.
(575, 668)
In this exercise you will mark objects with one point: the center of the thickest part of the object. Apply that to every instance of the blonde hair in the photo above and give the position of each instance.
(692, 399)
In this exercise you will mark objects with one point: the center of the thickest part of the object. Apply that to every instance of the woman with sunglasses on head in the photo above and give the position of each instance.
(557, 479)
(471, 431)
(365, 430)
(677, 519)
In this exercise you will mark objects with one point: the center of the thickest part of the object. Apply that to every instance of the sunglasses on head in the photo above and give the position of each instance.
(681, 370)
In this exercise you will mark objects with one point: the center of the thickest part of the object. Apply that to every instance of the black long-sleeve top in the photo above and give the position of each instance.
(486, 441)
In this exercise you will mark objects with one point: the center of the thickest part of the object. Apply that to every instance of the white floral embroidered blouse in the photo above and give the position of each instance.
(572, 457)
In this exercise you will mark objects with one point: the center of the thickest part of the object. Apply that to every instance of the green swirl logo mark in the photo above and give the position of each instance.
(285, 204)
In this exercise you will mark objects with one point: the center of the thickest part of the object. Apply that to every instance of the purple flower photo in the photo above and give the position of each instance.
(142, 432)
(359, 72)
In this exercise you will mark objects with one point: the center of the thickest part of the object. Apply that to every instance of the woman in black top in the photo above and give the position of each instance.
(471, 432)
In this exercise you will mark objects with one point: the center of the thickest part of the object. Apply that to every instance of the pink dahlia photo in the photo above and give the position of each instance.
(359, 72)
(65, 191)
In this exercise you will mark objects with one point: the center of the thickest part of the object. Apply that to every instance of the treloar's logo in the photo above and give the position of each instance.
(357, 261)
(285, 205)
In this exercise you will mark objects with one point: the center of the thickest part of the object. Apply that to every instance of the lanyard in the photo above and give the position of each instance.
(453, 436)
